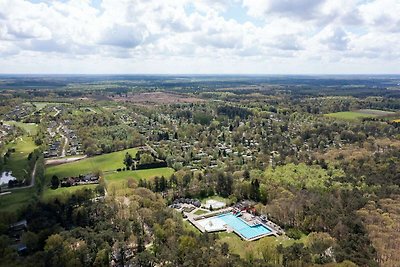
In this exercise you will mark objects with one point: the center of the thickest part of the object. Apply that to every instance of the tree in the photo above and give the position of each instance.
(55, 182)
(255, 190)
(128, 160)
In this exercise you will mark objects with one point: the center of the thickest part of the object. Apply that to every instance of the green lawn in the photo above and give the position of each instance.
(64, 192)
(30, 128)
(350, 115)
(16, 200)
(18, 161)
(42, 105)
(200, 212)
(243, 248)
(120, 177)
(105, 162)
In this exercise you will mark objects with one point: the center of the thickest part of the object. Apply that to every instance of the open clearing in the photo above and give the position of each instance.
(114, 180)
(359, 114)
(18, 161)
(30, 128)
(123, 176)
(41, 105)
(64, 192)
(254, 249)
(16, 200)
(105, 162)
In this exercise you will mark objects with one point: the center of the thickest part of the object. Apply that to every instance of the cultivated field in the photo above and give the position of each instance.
(105, 162)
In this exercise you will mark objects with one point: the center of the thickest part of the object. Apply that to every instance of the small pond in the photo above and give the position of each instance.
(5, 177)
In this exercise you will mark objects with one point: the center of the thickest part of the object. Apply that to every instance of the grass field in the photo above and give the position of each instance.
(359, 114)
(42, 105)
(200, 212)
(105, 162)
(121, 177)
(18, 161)
(30, 128)
(16, 200)
(64, 192)
(244, 248)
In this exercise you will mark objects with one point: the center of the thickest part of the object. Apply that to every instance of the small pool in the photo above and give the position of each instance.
(242, 227)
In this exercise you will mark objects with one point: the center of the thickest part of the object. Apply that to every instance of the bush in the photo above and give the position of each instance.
(294, 233)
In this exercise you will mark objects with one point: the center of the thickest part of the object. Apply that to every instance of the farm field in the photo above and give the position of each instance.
(18, 160)
(105, 162)
(121, 177)
(359, 114)
(30, 128)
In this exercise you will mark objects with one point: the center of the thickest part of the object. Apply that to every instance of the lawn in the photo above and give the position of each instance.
(121, 177)
(30, 128)
(18, 160)
(105, 162)
(350, 115)
(16, 200)
(359, 114)
(64, 192)
(244, 248)
(200, 212)
(42, 105)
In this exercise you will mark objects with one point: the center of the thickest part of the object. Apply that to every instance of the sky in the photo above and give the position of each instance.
(200, 36)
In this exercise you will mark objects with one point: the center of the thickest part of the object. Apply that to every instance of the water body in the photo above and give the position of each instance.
(5, 177)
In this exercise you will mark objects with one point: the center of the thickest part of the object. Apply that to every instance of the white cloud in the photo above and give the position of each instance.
(164, 33)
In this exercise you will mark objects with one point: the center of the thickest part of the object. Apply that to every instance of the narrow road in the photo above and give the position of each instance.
(64, 148)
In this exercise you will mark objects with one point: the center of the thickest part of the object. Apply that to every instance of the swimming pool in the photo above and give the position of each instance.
(242, 227)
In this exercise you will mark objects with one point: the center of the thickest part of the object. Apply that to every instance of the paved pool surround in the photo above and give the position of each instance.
(225, 220)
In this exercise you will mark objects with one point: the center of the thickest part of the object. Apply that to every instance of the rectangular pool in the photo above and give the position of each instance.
(242, 227)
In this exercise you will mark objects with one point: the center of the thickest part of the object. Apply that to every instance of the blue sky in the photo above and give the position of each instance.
(203, 36)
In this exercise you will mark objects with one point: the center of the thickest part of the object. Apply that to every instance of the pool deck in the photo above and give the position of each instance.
(196, 220)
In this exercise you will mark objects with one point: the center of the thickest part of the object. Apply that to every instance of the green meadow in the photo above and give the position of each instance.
(105, 162)
(123, 176)
(16, 200)
(18, 161)
(29, 128)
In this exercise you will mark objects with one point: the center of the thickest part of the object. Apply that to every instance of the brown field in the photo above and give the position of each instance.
(158, 98)
(351, 152)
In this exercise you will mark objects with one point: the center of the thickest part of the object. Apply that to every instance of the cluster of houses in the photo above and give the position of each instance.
(79, 180)
(74, 143)
(4, 131)
(19, 112)
(177, 203)
(58, 134)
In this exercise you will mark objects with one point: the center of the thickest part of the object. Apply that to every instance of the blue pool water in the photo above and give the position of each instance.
(242, 227)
